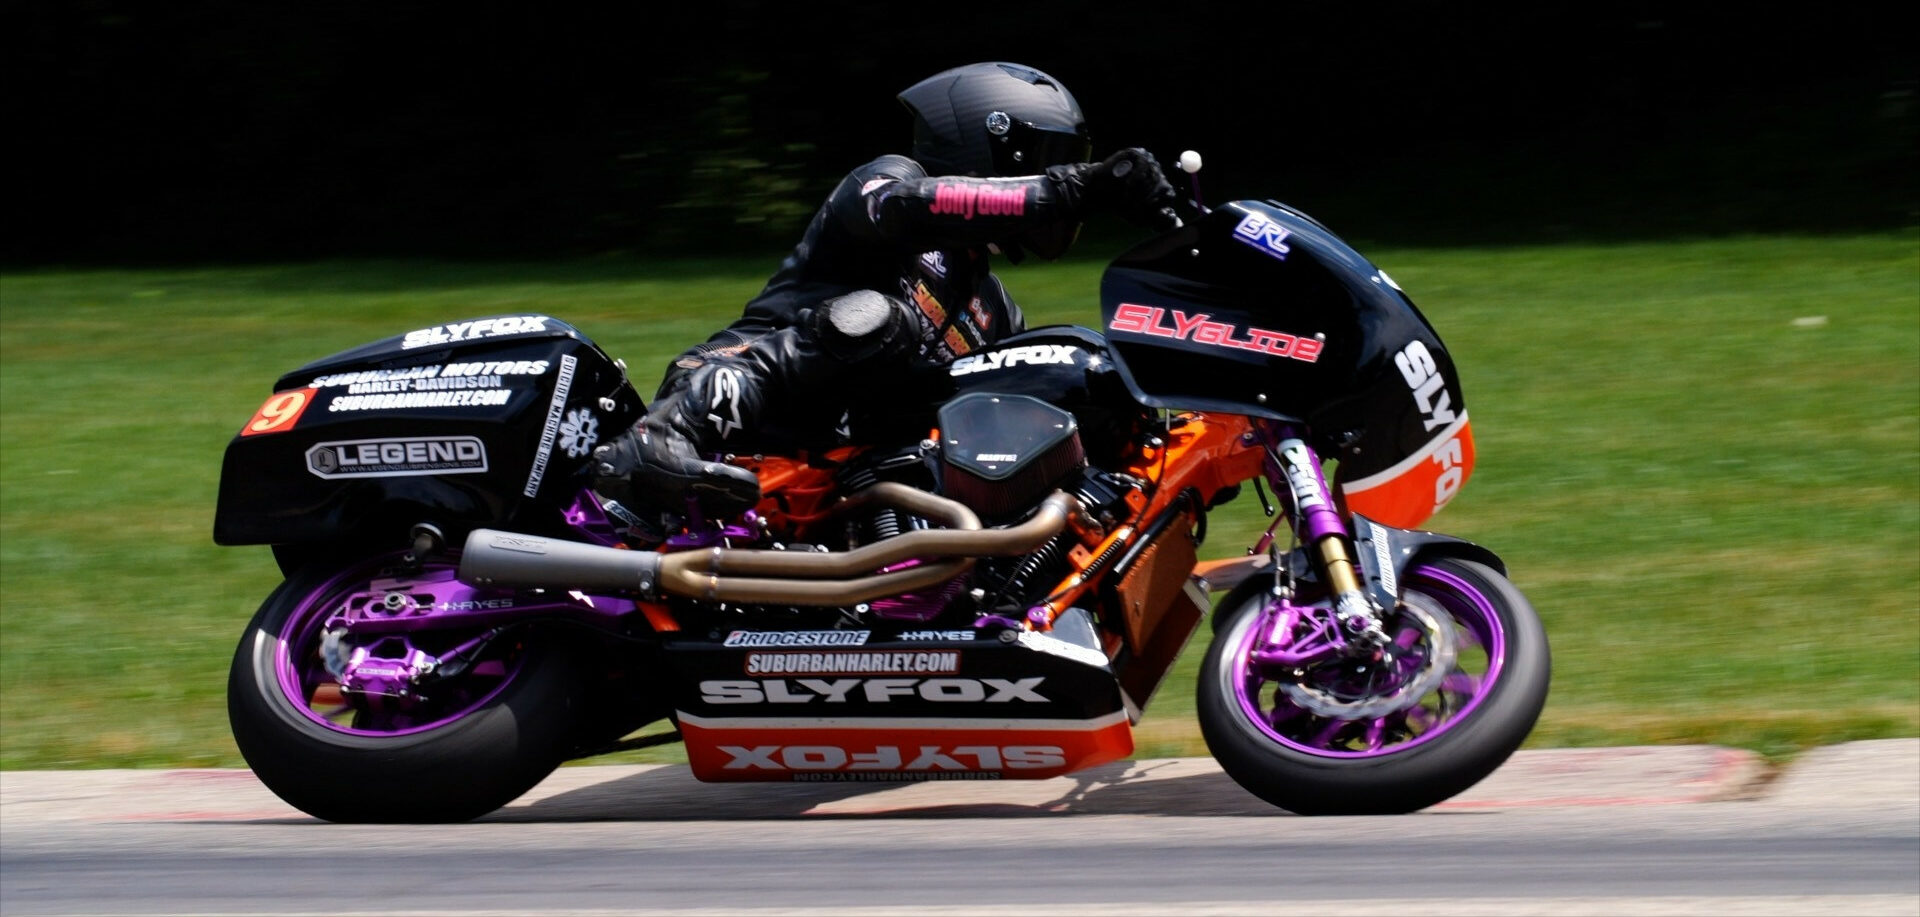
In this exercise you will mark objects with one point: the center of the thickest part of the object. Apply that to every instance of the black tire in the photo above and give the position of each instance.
(467, 766)
(1429, 769)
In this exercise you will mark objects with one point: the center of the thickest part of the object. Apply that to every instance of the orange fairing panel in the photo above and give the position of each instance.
(888, 750)
(1410, 492)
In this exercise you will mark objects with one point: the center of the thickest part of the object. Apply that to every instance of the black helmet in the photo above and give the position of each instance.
(994, 118)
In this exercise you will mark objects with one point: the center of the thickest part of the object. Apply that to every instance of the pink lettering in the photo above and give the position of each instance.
(1201, 329)
(1183, 325)
(1216, 333)
(953, 200)
(1130, 317)
(968, 201)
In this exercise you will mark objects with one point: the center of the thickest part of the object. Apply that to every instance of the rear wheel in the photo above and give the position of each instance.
(1461, 688)
(447, 749)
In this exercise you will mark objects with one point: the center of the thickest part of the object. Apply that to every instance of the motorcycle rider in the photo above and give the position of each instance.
(893, 272)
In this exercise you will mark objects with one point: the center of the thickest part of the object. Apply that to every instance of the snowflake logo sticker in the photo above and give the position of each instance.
(579, 432)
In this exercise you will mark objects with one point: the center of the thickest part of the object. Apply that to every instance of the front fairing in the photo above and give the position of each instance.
(1258, 309)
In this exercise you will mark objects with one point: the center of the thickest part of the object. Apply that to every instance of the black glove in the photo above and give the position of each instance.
(1131, 183)
(656, 465)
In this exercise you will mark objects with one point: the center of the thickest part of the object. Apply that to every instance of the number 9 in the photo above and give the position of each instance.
(279, 413)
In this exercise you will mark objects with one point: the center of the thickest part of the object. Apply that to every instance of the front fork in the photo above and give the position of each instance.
(1294, 468)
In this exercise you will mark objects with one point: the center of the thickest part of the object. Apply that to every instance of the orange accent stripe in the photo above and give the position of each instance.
(1410, 493)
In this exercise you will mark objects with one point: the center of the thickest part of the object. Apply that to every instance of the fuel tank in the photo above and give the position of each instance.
(1067, 366)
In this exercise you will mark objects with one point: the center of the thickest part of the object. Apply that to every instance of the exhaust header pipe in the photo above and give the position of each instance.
(496, 558)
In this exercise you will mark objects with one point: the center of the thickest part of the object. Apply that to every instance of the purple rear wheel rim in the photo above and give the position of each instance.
(314, 693)
(1482, 648)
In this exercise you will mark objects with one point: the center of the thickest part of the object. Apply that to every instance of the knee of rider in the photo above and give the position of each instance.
(863, 325)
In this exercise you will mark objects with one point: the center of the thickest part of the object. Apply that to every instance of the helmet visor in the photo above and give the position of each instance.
(1024, 149)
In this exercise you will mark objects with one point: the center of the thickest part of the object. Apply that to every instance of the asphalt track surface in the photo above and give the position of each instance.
(1614, 831)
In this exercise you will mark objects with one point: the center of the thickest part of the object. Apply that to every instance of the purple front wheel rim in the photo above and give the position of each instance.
(1459, 604)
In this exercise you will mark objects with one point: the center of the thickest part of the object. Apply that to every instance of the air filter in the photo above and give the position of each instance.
(1004, 453)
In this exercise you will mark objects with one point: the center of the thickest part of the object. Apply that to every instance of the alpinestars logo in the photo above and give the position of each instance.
(726, 392)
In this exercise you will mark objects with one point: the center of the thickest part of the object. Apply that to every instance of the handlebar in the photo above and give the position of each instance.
(1189, 162)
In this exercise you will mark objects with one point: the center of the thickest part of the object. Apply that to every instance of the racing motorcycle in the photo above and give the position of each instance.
(991, 582)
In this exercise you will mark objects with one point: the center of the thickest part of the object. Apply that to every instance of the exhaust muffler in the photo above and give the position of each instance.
(496, 558)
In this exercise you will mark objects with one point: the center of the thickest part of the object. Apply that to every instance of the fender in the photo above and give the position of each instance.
(1385, 553)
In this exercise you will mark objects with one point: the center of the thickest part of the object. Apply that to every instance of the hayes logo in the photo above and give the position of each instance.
(1200, 328)
(936, 635)
(387, 458)
(474, 330)
(893, 758)
(967, 200)
(1034, 355)
(873, 690)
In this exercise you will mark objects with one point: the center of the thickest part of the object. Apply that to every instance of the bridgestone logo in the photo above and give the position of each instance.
(385, 458)
(797, 638)
(941, 663)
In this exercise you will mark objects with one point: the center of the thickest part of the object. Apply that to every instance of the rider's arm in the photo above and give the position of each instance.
(894, 201)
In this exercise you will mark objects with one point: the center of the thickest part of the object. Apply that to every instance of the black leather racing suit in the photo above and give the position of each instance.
(817, 339)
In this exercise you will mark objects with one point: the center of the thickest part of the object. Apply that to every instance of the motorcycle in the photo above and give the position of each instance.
(990, 582)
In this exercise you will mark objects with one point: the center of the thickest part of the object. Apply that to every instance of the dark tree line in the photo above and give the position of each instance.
(215, 129)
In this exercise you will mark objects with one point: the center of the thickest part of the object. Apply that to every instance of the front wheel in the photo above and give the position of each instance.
(452, 750)
(1464, 683)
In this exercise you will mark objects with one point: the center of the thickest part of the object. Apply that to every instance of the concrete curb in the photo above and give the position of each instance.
(1876, 773)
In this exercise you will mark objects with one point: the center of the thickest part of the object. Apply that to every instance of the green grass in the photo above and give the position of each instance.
(1700, 459)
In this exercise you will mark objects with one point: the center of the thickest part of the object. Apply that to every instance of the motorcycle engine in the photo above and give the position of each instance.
(1000, 455)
